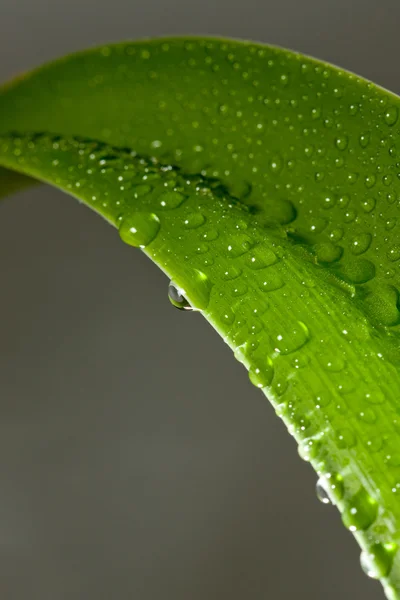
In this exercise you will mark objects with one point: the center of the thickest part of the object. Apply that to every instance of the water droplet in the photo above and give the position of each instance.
(353, 109)
(315, 113)
(368, 204)
(328, 252)
(141, 190)
(391, 115)
(194, 285)
(211, 235)
(336, 234)
(350, 215)
(262, 375)
(374, 395)
(360, 512)
(358, 271)
(330, 488)
(272, 281)
(317, 225)
(171, 200)
(364, 140)
(377, 561)
(309, 449)
(381, 305)
(239, 289)
(239, 245)
(260, 258)
(367, 415)
(227, 316)
(332, 363)
(328, 202)
(393, 253)
(322, 492)
(370, 181)
(276, 164)
(231, 272)
(375, 443)
(391, 224)
(361, 243)
(194, 220)
(139, 229)
(342, 142)
(345, 438)
(202, 248)
(292, 339)
(177, 299)
(281, 211)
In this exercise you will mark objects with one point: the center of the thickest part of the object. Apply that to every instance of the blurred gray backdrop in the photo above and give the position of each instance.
(136, 460)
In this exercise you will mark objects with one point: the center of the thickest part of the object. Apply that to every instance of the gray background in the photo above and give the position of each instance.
(136, 460)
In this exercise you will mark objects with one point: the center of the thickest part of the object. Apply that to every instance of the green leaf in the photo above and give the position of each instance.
(265, 184)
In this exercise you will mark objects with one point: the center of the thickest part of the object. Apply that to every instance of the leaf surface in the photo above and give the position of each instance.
(265, 184)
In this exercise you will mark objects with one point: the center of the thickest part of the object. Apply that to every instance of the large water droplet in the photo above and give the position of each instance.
(177, 298)
(381, 305)
(377, 561)
(358, 271)
(360, 512)
(328, 252)
(139, 229)
(262, 374)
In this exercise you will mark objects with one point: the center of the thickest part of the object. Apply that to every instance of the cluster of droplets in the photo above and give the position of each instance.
(359, 514)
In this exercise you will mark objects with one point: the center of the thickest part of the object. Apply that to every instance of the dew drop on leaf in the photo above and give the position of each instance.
(360, 243)
(260, 258)
(360, 511)
(194, 220)
(271, 281)
(291, 338)
(139, 229)
(238, 245)
(376, 562)
(262, 375)
(391, 115)
(171, 200)
(341, 142)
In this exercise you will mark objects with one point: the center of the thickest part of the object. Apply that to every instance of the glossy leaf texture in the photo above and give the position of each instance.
(266, 185)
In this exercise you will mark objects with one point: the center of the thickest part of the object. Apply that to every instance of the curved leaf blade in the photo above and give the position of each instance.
(278, 219)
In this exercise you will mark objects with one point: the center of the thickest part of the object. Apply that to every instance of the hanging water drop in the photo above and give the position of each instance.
(177, 298)
(322, 492)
